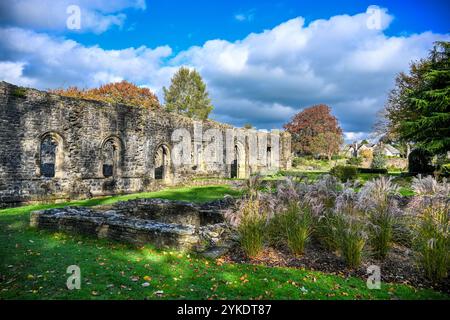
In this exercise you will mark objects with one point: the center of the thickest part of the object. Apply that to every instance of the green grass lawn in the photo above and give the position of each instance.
(33, 265)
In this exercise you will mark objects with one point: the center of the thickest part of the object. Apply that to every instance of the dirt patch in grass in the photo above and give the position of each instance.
(397, 267)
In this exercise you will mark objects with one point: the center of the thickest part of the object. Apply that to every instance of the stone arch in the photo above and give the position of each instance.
(239, 164)
(112, 149)
(162, 162)
(51, 155)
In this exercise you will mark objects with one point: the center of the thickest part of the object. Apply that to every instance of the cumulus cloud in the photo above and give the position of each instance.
(45, 62)
(96, 16)
(263, 79)
(347, 62)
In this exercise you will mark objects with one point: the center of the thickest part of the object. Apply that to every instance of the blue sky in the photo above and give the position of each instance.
(263, 61)
(181, 24)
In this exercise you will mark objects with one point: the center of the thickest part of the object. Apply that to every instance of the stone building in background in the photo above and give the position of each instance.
(54, 147)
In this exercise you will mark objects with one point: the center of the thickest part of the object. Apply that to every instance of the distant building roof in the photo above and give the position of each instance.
(391, 149)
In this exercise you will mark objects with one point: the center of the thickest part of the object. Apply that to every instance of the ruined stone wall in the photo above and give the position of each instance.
(98, 148)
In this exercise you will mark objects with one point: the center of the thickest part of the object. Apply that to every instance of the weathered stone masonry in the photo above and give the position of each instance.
(54, 147)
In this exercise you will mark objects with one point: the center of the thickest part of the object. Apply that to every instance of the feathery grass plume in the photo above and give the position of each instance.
(249, 219)
(347, 227)
(432, 236)
(322, 194)
(377, 199)
(290, 217)
(298, 224)
(430, 186)
(253, 186)
(430, 212)
(291, 225)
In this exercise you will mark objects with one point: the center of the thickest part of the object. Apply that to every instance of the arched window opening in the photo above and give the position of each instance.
(111, 150)
(269, 157)
(49, 151)
(234, 164)
(162, 163)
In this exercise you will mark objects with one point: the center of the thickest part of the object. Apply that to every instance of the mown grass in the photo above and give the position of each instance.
(33, 265)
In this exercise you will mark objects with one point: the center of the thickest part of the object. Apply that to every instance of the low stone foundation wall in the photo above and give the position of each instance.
(116, 227)
(163, 223)
(16, 198)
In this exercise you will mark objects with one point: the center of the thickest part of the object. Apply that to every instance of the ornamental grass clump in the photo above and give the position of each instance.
(322, 194)
(292, 226)
(250, 218)
(250, 222)
(321, 197)
(432, 241)
(298, 225)
(377, 199)
(429, 186)
(431, 227)
(290, 218)
(344, 228)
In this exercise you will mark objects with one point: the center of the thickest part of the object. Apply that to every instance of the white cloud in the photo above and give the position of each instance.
(248, 15)
(263, 79)
(350, 136)
(96, 16)
(53, 62)
(13, 72)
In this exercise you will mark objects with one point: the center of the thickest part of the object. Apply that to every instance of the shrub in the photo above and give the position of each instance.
(366, 154)
(375, 198)
(419, 161)
(344, 173)
(354, 161)
(19, 92)
(378, 161)
(443, 170)
(296, 161)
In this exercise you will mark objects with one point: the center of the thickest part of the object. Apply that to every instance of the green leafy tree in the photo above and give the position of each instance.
(378, 161)
(187, 95)
(418, 108)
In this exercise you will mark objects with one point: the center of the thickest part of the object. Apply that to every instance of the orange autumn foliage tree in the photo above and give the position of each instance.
(122, 92)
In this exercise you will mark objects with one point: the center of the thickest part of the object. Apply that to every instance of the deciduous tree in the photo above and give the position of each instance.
(313, 126)
(118, 92)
